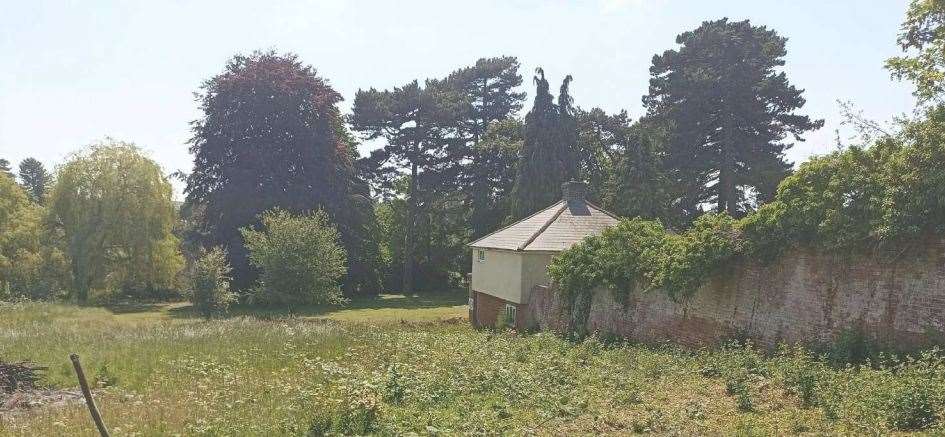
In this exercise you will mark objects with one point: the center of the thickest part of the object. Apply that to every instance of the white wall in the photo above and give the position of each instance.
(499, 274)
(509, 275)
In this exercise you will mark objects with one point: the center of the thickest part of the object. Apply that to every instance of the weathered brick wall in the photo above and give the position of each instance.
(488, 308)
(806, 296)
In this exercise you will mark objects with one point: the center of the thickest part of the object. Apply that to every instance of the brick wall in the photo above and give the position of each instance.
(488, 308)
(806, 296)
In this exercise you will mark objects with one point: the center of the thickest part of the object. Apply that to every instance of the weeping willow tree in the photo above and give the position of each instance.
(113, 207)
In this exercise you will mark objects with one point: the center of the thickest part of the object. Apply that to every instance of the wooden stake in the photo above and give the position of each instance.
(99, 423)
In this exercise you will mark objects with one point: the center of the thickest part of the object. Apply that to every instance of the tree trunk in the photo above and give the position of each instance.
(727, 192)
(410, 237)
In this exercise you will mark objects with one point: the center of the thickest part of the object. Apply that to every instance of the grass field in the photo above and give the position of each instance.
(395, 365)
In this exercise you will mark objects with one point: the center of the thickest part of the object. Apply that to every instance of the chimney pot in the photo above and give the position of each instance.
(573, 190)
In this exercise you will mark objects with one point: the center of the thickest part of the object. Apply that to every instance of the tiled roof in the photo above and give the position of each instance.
(552, 229)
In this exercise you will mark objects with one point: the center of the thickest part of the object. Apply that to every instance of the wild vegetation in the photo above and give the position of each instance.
(164, 371)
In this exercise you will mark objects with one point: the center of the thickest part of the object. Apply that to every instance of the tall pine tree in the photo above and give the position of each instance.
(34, 178)
(729, 111)
(548, 158)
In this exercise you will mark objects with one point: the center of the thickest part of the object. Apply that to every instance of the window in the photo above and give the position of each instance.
(510, 310)
(481, 255)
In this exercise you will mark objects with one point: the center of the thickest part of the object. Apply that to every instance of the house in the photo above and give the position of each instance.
(508, 263)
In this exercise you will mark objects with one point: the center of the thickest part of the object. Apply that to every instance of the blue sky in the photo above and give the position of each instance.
(72, 72)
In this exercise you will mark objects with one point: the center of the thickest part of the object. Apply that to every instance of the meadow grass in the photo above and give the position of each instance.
(395, 365)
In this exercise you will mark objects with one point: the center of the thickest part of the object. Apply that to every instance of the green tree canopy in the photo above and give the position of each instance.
(271, 135)
(729, 111)
(923, 39)
(113, 207)
(30, 263)
(34, 178)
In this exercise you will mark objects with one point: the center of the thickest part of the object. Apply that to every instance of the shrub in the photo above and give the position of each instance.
(299, 258)
(210, 283)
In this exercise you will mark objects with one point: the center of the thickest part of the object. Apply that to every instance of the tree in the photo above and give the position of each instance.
(271, 135)
(5, 168)
(31, 264)
(210, 283)
(299, 258)
(491, 176)
(548, 158)
(419, 129)
(923, 39)
(487, 90)
(639, 187)
(113, 207)
(728, 111)
(34, 179)
(602, 141)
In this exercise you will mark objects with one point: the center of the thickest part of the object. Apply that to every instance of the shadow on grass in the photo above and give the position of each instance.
(380, 302)
(133, 307)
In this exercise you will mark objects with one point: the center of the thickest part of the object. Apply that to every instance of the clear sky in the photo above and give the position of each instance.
(72, 72)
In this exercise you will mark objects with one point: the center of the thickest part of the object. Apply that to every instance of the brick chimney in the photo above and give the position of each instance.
(573, 190)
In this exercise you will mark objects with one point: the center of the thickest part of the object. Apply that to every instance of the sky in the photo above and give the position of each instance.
(74, 72)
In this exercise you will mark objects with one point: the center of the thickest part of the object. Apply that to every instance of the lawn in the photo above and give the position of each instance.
(396, 364)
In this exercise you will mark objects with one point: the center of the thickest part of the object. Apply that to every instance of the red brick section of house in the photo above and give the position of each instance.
(488, 307)
(807, 296)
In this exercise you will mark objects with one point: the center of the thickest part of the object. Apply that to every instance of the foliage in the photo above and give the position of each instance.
(31, 265)
(271, 136)
(432, 158)
(923, 39)
(113, 208)
(880, 198)
(299, 258)
(548, 156)
(490, 177)
(210, 283)
(289, 376)
(5, 168)
(727, 110)
(35, 179)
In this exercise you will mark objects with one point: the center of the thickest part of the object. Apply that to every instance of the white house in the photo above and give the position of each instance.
(508, 263)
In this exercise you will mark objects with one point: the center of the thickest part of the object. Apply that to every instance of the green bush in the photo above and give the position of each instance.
(210, 283)
(299, 258)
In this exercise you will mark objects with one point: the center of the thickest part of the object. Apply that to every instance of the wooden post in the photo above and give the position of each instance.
(96, 417)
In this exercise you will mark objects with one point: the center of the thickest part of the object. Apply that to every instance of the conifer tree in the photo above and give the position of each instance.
(548, 157)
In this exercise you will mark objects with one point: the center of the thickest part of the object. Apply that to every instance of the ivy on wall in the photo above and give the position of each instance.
(857, 200)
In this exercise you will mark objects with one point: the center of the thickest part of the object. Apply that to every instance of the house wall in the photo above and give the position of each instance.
(534, 271)
(499, 275)
(489, 307)
(807, 296)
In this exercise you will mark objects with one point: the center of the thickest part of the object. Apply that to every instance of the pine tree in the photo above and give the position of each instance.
(729, 110)
(34, 178)
(548, 157)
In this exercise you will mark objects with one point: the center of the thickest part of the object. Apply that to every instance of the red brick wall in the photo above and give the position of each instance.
(806, 296)
(488, 308)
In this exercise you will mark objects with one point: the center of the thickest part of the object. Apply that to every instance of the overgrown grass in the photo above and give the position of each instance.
(165, 373)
